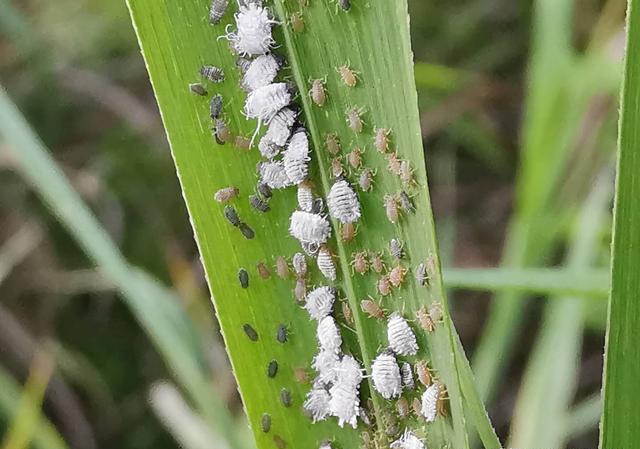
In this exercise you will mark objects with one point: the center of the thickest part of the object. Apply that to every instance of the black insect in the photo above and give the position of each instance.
(259, 204)
(247, 231)
(272, 368)
(264, 190)
(250, 331)
(212, 73)
(231, 215)
(282, 333)
(215, 107)
(243, 277)
(265, 422)
(217, 10)
(198, 89)
(285, 397)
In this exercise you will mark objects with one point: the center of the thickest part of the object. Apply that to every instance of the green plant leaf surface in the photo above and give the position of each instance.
(620, 426)
(373, 39)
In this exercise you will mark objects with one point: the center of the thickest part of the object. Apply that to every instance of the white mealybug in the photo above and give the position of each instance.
(296, 157)
(299, 263)
(253, 36)
(325, 264)
(385, 373)
(265, 102)
(345, 403)
(217, 10)
(309, 228)
(343, 203)
(260, 72)
(320, 302)
(430, 401)
(407, 441)
(316, 404)
(401, 338)
(268, 149)
(280, 125)
(325, 363)
(325, 445)
(349, 371)
(328, 334)
(305, 197)
(407, 376)
(273, 175)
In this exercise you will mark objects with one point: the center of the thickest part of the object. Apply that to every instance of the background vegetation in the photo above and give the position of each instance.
(518, 103)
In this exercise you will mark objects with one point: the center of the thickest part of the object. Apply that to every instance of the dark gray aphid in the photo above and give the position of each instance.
(259, 204)
(231, 215)
(264, 190)
(345, 4)
(272, 368)
(243, 64)
(215, 107)
(198, 89)
(247, 231)
(212, 73)
(243, 277)
(282, 333)
(285, 397)
(405, 202)
(217, 10)
(265, 422)
(395, 248)
(250, 331)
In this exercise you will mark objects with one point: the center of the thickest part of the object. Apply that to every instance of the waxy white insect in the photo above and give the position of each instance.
(407, 376)
(343, 202)
(408, 440)
(253, 36)
(431, 401)
(328, 334)
(320, 302)
(272, 174)
(265, 102)
(268, 149)
(345, 401)
(325, 264)
(326, 363)
(299, 263)
(296, 157)
(349, 371)
(385, 373)
(280, 125)
(260, 72)
(309, 228)
(401, 338)
(316, 404)
(305, 197)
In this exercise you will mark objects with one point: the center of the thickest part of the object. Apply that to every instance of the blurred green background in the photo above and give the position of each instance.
(519, 127)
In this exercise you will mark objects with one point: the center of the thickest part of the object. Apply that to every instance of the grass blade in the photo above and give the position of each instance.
(621, 416)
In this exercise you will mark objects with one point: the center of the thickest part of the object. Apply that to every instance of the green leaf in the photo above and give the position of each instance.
(373, 38)
(621, 415)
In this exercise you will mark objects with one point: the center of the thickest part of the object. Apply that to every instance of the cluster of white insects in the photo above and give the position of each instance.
(286, 152)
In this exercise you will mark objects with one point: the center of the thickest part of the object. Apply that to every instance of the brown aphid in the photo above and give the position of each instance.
(394, 165)
(349, 76)
(221, 132)
(397, 275)
(297, 22)
(354, 157)
(384, 285)
(332, 143)
(301, 375)
(435, 311)
(377, 264)
(423, 372)
(336, 167)
(300, 290)
(429, 318)
(359, 262)
(372, 309)
(381, 139)
(242, 143)
(354, 120)
(226, 194)
(347, 313)
(402, 407)
(282, 267)
(348, 232)
(263, 271)
(318, 93)
(406, 173)
(279, 442)
(365, 180)
(391, 208)
(416, 405)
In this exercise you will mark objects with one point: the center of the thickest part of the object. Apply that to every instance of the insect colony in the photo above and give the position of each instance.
(286, 153)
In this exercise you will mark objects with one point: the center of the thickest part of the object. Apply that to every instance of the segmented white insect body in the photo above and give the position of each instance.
(345, 403)
(280, 125)
(320, 302)
(325, 445)
(309, 228)
(401, 338)
(260, 72)
(407, 376)
(273, 174)
(326, 363)
(268, 149)
(328, 334)
(296, 157)
(316, 404)
(408, 440)
(310, 248)
(325, 264)
(299, 263)
(349, 371)
(305, 198)
(343, 203)
(253, 36)
(385, 373)
(217, 10)
(430, 401)
(265, 102)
